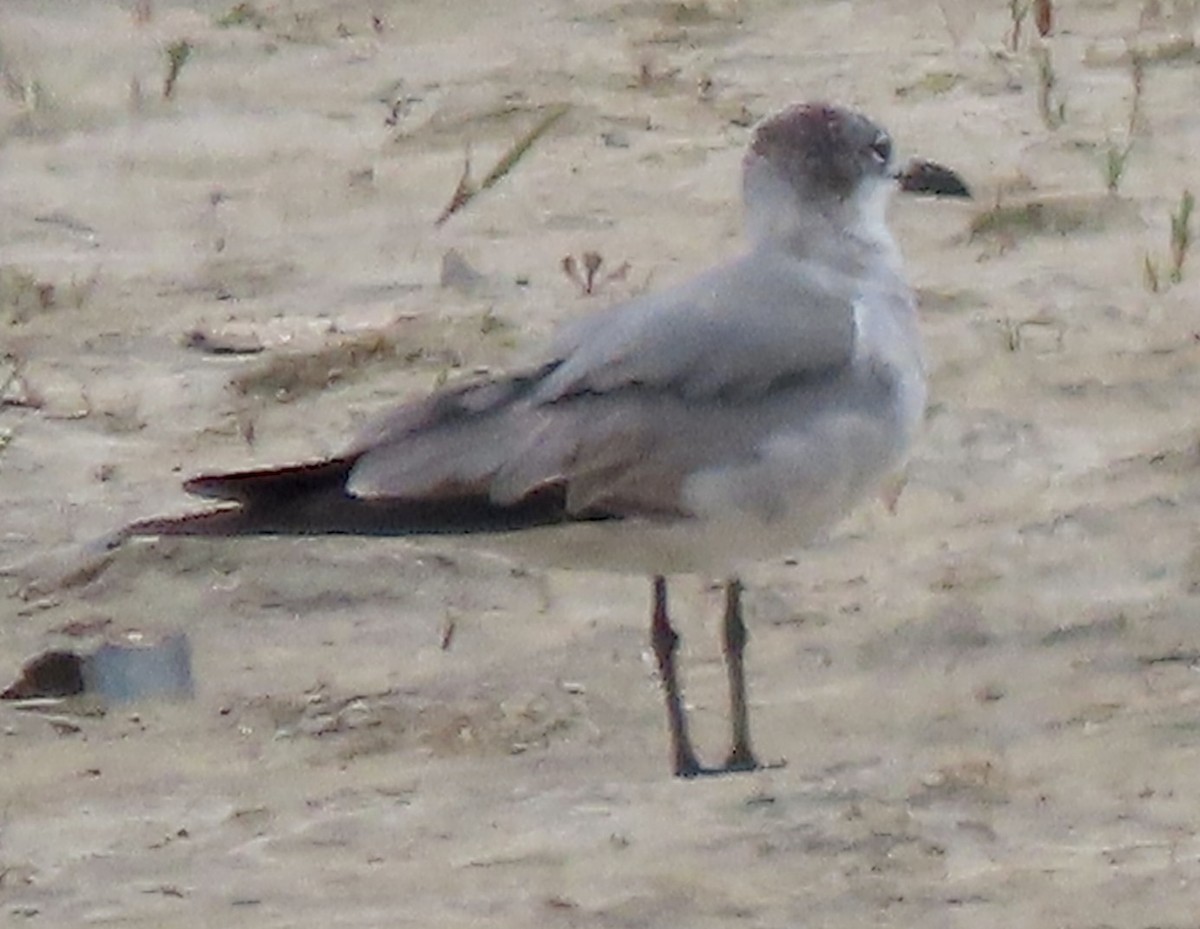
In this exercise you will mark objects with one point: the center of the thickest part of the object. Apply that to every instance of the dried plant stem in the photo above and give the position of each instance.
(467, 190)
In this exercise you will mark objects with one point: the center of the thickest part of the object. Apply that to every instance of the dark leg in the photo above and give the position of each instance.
(664, 641)
(741, 756)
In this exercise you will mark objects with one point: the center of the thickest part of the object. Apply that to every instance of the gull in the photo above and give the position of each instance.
(727, 420)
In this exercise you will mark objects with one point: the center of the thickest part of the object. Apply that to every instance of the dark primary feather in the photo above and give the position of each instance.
(312, 500)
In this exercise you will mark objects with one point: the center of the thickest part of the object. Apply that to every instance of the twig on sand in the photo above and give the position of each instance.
(467, 190)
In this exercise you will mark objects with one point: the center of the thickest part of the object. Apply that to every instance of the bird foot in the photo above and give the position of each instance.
(741, 759)
(688, 766)
(736, 763)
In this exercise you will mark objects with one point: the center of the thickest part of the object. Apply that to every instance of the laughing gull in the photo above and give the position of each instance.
(729, 419)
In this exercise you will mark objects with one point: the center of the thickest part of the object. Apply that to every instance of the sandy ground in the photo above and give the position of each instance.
(988, 703)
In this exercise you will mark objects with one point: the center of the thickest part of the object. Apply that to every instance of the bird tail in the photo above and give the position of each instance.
(293, 500)
(311, 499)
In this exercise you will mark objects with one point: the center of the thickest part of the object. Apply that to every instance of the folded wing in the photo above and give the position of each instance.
(631, 402)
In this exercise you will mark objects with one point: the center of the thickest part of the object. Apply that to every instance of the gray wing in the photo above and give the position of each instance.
(730, 333)
(632, 400)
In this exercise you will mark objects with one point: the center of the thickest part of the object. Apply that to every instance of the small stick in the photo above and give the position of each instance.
(466, 191)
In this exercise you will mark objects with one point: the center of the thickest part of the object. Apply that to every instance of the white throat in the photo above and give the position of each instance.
(777, 214)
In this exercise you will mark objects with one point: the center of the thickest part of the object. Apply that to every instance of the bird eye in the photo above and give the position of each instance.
(881, 149)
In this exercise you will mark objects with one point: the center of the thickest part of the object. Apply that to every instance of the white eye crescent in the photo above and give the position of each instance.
(881, 148)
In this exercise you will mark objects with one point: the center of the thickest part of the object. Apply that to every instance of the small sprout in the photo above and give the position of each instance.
(177, 56)
(1181, 243)
(1181, 235)
(1150, 274)
(1114, 165)
(1116, 157)
(587, 281)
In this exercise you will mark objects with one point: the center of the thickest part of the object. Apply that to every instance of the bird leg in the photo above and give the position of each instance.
(741, 756)
(665, 641)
